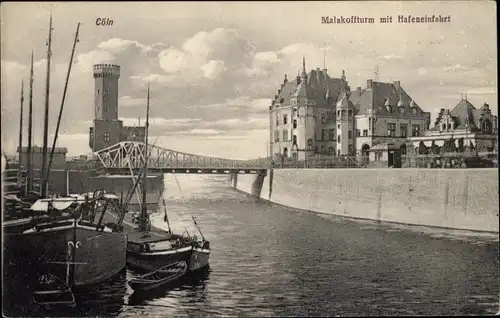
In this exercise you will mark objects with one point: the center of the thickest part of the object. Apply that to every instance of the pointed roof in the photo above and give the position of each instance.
(464, 113)
(382, 93)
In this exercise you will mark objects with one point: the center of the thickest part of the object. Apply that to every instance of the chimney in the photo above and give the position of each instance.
(279, 91)
(358, 89)
(369, 84)
(325, 71)
(397, 84)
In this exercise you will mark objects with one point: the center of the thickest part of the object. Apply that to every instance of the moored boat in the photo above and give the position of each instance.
(69, 245)
(149, 247)
(160, 277)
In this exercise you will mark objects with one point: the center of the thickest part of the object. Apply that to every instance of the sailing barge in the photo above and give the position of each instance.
(150, 248)
(63, 236)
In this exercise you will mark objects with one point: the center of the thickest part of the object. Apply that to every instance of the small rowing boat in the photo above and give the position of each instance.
(160, 277)
(51, 290)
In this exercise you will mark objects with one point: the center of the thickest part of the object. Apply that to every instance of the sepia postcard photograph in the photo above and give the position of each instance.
(249, 159)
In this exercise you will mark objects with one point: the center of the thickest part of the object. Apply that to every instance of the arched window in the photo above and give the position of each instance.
(486, 126)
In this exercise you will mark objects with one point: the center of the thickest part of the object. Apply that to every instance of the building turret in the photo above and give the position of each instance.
(345, 124)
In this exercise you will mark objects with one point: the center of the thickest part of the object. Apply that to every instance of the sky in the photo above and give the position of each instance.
(214, 67)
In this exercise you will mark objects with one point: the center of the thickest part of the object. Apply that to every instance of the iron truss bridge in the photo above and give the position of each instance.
(125, 156)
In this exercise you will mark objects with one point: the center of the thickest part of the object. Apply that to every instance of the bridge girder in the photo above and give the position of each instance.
(131, 154)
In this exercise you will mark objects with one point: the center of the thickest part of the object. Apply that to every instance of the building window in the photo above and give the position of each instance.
(391, 129)
(349, 134)
(414, 110)
(323, 119)
(349, 149)
(294, 139)
(350, 112)
(332, 134)
(338, 113)
(276, 136)
(309, 144)
(338, 138)
(402, 110)
(369, 123)
(322, 149)
(338, 126)
(294, 123)
(415, 130)
(285, 135)
(365, 132)
(331, 150)
(323, 132)
(358, 132)
(338, 152)
(403, 130)
(285, 119)
(107, 137)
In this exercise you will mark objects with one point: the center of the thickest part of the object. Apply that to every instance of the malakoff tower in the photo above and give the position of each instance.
(108, 129)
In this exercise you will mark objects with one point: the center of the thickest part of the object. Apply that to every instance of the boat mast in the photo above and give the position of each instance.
(143, 226)
(21, 126)
(30, 127)
(43, 172)
(62, 102)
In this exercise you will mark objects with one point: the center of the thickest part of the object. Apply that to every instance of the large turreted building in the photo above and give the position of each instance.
(316, 114)
(108, 129)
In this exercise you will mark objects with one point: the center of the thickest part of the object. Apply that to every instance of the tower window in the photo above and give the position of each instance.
(403, 130)
(391, 130)
(332, 134)
(285, 135)
(415, 130)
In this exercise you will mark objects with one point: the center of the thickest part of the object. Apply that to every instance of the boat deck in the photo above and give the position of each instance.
(134, 236)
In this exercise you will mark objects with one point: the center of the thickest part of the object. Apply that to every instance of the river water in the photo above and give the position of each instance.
(269, 260)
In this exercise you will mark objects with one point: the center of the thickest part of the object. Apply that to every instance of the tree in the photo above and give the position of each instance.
(422, 149)
(453, 147)
(461, 147)
(434, 148)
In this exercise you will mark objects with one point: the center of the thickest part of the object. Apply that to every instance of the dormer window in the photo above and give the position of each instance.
(402, 110)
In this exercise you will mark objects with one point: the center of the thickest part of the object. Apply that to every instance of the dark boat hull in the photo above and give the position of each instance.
(199, 259)
(160, 277)
(150, 261)
(94, 255)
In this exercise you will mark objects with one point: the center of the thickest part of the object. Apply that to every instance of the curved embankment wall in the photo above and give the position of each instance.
(451, 198)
